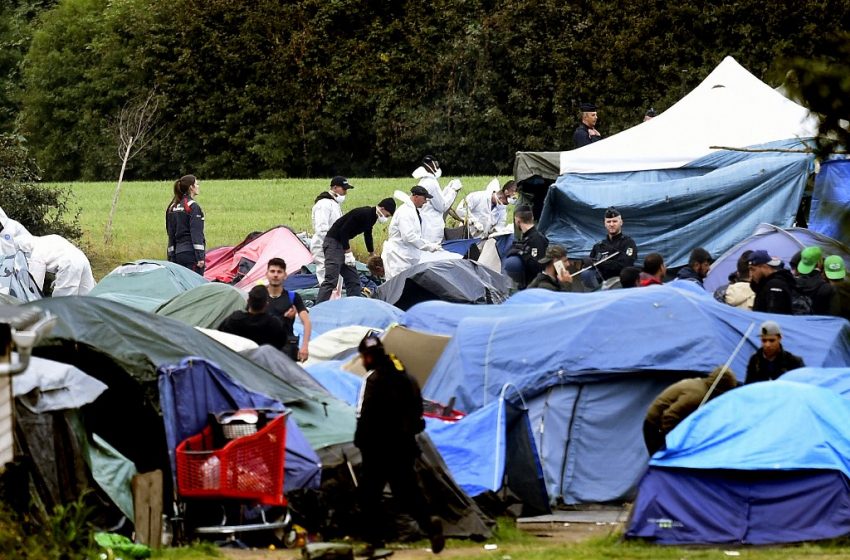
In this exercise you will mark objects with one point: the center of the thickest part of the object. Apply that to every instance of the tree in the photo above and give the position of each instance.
(42, 210)
(135, 128)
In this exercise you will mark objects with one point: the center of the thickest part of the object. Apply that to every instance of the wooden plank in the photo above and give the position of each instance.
(7, 451)
(147, 508)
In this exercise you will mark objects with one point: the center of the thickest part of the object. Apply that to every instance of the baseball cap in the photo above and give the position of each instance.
(833, 267)
(770, 328)
(420, 191)
(760, 256)
(388, 204)
(553, 252)
(340, 181)
(809, 259)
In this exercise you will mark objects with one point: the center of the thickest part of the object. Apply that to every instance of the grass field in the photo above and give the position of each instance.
(233, 209)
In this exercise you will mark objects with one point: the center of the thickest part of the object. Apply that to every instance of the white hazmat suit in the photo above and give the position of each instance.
(433, 222)
(14, 236)
(482, 216)
(57, 255)
(326, 211)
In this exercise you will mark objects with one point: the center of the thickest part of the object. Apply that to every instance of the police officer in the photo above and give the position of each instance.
(615, 242)
(586, 133)
(184, 223)
(389, 415)
(522, 263)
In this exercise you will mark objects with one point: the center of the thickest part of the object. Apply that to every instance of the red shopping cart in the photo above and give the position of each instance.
(247, 469)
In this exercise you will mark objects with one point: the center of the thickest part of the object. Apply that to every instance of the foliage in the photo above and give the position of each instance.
(40, 209)
(317, 87)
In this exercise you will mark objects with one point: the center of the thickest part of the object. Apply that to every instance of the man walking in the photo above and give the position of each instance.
(326, 210)
(339, 260)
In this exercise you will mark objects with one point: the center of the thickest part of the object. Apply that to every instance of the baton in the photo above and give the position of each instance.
(726, 365)
(593, 265)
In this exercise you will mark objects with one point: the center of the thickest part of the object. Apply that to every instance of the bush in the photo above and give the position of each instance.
(42, 210)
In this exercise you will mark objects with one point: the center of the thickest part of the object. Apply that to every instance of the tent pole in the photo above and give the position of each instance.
(725, 367)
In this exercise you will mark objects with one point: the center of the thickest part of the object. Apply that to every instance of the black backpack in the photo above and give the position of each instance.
(801, 304)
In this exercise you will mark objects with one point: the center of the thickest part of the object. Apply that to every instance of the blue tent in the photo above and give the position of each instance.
(441, 317)
(779, 242)
(837, 378)
(590, 366)
(342, 384)
(194, 388)
(348, 311)
(830, 211)
(778, 473)
(712, 202)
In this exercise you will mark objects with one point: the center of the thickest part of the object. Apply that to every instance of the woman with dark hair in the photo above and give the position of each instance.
(184, 223)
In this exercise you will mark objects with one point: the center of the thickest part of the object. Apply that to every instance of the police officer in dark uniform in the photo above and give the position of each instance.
(523, 261)
(184, 224)
(586, 132)
(389, 415)
(615, 242)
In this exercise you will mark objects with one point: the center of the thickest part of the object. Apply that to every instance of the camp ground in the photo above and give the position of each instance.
(534, 400)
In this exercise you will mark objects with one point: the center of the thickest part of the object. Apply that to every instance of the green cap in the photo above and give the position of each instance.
(833, 267)
(809, 259)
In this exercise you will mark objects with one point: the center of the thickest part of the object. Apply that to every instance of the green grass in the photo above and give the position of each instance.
(233, 209)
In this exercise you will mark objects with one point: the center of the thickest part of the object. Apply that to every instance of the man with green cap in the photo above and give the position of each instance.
(811, 282)
(836, 273)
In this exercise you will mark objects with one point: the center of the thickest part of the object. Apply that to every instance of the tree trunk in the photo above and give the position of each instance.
(107, 236)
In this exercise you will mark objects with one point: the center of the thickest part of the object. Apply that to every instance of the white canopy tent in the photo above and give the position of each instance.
(730, 108)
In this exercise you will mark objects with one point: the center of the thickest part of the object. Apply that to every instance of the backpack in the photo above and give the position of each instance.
(801, 304)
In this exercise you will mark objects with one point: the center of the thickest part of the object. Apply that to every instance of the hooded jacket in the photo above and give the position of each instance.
(404, 244)
(773, 293)
(483, 216)
(818, 289)
(326, 211)
(433, 224)
(689, 274)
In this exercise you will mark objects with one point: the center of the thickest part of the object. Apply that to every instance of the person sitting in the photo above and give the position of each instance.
(811, 282)
(771, 360)
(629, 277)
(739, 293)
(522, 263)
(555, 275)
(678, 401)
(256, 323)
(697, 268)
(653, 271)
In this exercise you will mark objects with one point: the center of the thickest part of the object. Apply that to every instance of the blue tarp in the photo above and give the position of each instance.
(836, 379)
(442, 317)
(194, 388)
(830, 211)
(342, 384)
(779, 242)
(591, 364)
(713, 203)
(777, 425)
(349, 311)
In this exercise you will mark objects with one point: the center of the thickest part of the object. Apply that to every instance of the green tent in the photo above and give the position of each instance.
(205, 306)
(108, 340)
(146, 284)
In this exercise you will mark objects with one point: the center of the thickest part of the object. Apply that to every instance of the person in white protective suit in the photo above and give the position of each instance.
(433, 220)
(326, 210)
(486, 211)
(14, 236)
(57, 255)
(405, 244)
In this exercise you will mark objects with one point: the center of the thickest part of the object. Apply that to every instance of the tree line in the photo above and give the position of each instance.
(363, 87)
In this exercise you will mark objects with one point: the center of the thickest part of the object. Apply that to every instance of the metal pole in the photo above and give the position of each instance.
(726, 365)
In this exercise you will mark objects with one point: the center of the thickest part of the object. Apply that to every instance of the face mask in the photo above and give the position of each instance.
(438, 173)
(381, 217)
(339, 197)
(511, 200)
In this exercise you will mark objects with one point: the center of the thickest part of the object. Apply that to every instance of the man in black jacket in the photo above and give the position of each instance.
(586, 133)
(339, 260)
(811, 281)
(255, 323)
(697, 268)
(522, 263)
(771, 360)
(389, 416)
(771, 282)
(615, 242)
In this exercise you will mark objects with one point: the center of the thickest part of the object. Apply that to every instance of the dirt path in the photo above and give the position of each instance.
(548, 533)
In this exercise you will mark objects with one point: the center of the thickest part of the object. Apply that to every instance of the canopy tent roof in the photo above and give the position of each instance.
(730, 108)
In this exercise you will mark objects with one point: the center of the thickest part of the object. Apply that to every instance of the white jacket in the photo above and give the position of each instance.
(403, 247)
(483, 217)
(325, 212)
(14, 234)
(57, 255)
(432, 213)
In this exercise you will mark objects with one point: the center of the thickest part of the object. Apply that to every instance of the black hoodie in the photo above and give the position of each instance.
(818, 289)
(773, 293)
